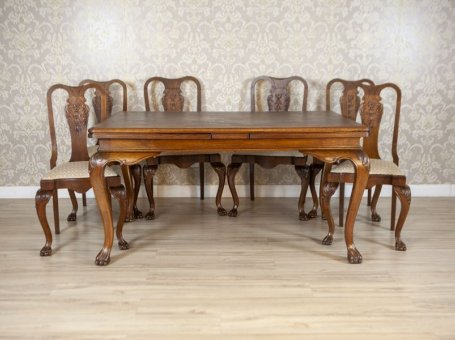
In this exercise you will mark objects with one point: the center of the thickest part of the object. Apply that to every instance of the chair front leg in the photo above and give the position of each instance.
(252, 181)
(201, 178)
(314, 195)
(136, 175)
(404, 195)
(119, 193)
(84, 199)
(72, 216)
(42, 197)
(149, 173)
(326, 192)
(375, 217)
(56, 214)
(220, 170)
(232, 170)
(304, 174)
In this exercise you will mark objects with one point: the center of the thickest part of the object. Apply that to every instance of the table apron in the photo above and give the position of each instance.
(160, 145)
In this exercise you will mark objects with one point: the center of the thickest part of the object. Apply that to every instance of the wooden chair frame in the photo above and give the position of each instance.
(131, 174)
(278, 100)
(173, 101)
(77, 113)
(371, 111)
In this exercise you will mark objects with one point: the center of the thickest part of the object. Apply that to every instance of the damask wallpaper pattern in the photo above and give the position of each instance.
(226, 43)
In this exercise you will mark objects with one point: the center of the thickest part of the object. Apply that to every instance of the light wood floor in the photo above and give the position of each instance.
(263, 275)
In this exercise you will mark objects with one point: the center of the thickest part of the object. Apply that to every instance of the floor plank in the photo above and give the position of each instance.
(191, 274)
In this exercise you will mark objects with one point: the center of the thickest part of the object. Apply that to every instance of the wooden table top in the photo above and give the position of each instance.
(225, 122)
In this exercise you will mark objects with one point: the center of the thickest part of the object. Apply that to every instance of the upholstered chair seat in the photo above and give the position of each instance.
(74, 170)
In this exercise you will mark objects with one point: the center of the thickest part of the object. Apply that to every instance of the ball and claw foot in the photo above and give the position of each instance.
(354, 256)
(71, 217)
(103, 257)
(137, 213)
(400, 245)
(150, 215)
(375, 217)
(123, 245)
(46, 251)
(327, 241)
(233, 213)
(303, 216)
(313, 213)
(221, 211)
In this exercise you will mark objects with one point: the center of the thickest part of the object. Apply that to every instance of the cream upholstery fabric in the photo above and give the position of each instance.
(271, 153)
(92, 149)
(377, 167)
(73, 170)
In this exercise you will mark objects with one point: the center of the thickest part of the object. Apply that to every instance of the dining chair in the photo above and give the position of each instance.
(349, 107)
(132, 173)
(73, 175)
(382, 172)
(172, 100)
(278, 100)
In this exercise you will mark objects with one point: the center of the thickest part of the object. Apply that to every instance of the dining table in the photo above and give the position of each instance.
(129, 137)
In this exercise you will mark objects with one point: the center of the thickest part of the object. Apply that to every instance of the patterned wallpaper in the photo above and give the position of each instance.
(226, 43)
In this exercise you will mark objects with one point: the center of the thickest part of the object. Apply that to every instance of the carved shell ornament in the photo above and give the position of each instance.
(77, 112)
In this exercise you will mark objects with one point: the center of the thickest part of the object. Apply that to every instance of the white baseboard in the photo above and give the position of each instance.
(418, 190)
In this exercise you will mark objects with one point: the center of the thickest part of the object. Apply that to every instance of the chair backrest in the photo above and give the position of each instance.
(76, 114)
(350, 99)
(279, 96)
(172, 100)
(96, 100)
(371, 111)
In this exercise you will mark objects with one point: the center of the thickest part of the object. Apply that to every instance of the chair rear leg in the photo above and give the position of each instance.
(375, 217)
(369, 197)
(341, 206)
(56, 214)
(84, 199)
(149, 173)
(404, 195)
(136, 174)
(201, 178)
(232, 170)
(393, 210)
(304, 173)
(252, 181)
(72, 216)
(220, 170)
(42, 197)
